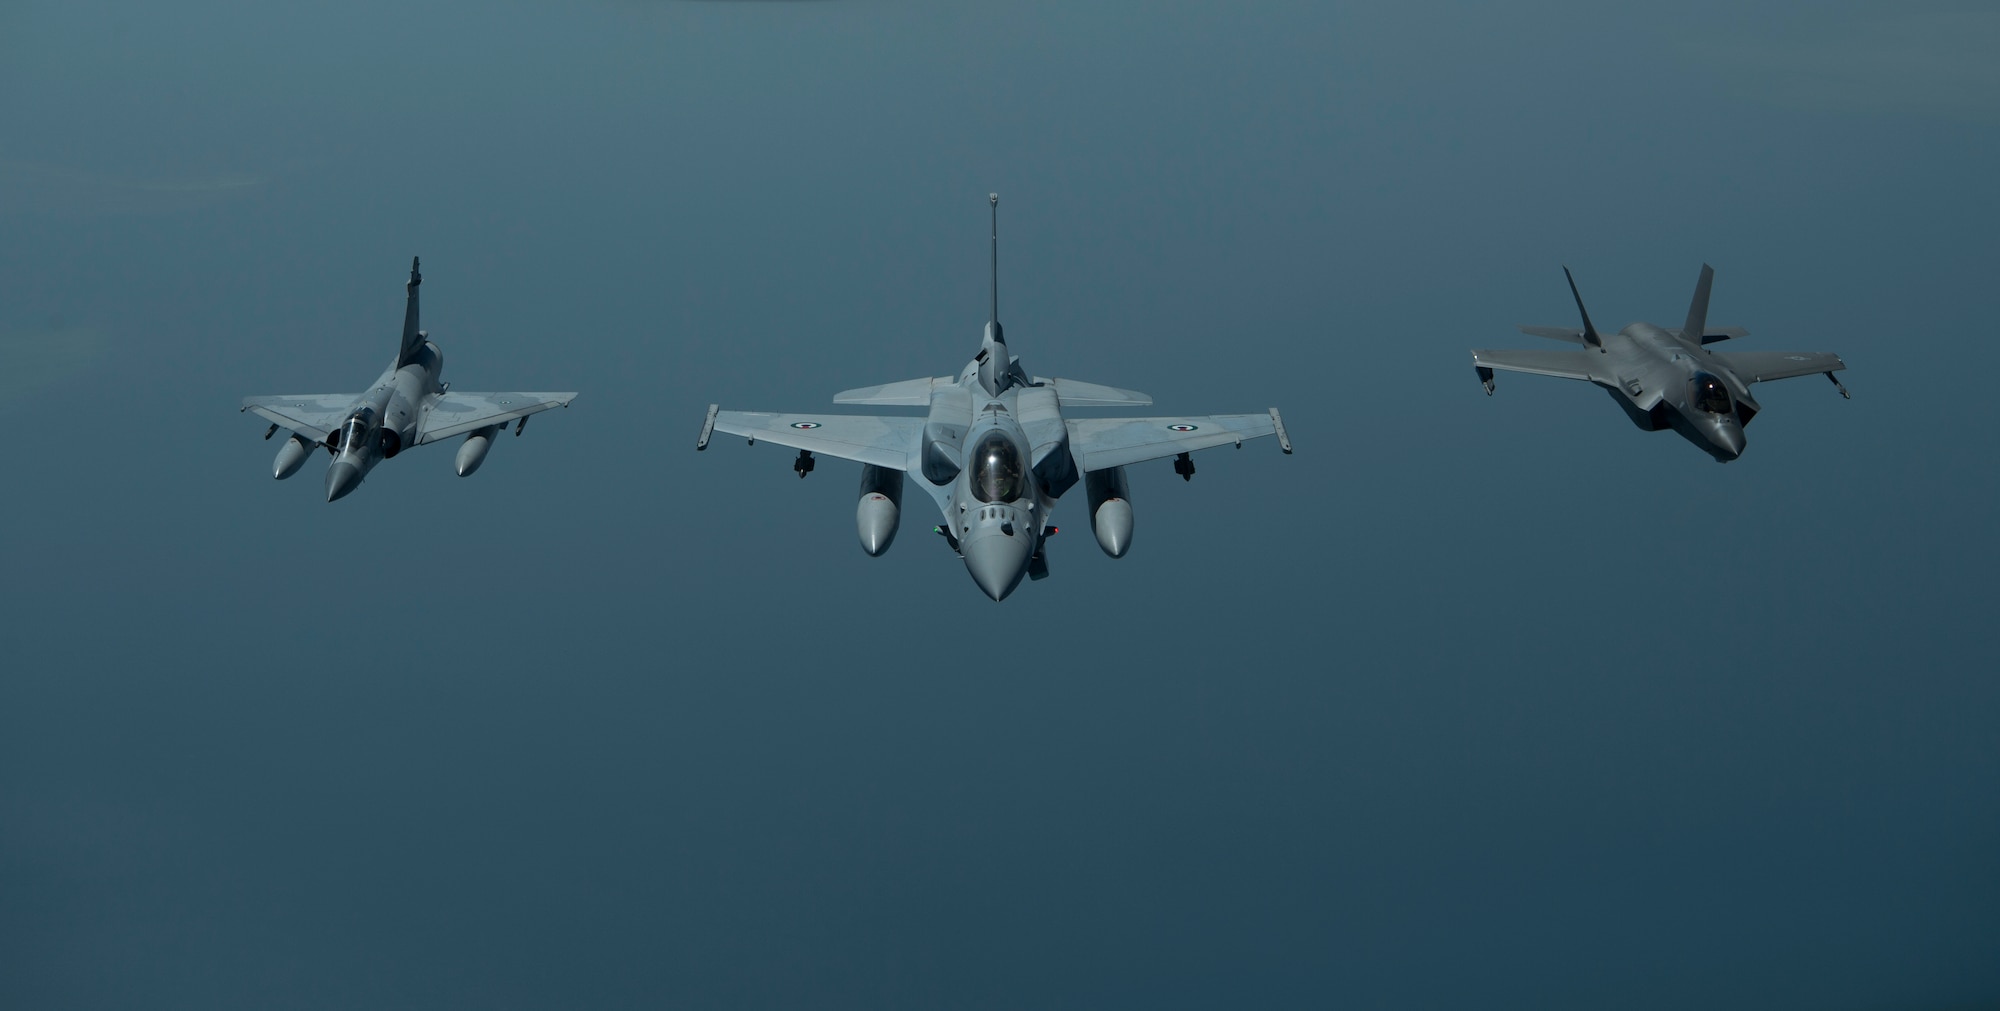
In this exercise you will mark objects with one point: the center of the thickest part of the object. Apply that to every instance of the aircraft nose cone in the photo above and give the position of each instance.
(997, 563)
(341, 478)
(1730, 442)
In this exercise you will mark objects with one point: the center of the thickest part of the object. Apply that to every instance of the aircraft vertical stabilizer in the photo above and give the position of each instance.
(1697, 322)
(413, 336)
(994, 360)
(1590, 336)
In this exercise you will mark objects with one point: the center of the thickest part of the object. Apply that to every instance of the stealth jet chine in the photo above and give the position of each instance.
(994, 453)
(409, 405)
(1667, 378)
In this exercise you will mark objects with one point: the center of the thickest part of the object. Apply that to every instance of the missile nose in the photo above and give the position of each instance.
(341, 478)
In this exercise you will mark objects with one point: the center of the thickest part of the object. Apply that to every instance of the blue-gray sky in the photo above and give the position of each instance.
(1471, 702)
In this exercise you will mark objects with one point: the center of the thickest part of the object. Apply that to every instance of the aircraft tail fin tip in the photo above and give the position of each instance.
(1590, 335)
(413, 334)
(1696, 326)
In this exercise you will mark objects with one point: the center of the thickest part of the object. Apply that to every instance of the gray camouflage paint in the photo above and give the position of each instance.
(409, 405)
(995, 411)
(624, 726)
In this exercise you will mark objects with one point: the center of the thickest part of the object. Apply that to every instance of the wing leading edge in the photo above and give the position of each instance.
(311, 414)
(1764, 366)
(881, 440)
(458, 413)
(1103, 443)
(1585, 365)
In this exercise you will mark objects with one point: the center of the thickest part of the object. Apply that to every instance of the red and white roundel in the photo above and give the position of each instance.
(805, 424)
(1181, 428)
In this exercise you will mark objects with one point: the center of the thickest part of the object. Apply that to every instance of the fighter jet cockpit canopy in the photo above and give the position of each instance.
(353, 434)
(997, 470)
(1710, 395)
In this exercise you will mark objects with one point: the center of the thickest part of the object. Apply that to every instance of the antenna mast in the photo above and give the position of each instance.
(993, 200)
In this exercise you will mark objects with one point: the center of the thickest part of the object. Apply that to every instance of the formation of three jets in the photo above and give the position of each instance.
(994, 451)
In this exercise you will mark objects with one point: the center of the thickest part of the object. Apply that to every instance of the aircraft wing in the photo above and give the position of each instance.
(1763, 366)
(312, 414)
(1103, 443)
(1586, 365)
(458, 413)
(884, 441)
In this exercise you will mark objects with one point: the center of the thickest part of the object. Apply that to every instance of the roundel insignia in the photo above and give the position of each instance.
(1181, 428)
(805, 424)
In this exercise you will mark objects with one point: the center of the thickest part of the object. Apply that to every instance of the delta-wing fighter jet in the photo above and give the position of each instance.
(995, 452)
(1667, 378)
(410, 405)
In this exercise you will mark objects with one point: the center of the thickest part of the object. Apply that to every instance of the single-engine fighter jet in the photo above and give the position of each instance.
(994, 453)
(408, 406)
(1667, 378)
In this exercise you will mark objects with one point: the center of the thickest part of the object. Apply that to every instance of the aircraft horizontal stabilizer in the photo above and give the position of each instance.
(1556, 333)
(1710, 335)
(908, 393)
(1071, 393)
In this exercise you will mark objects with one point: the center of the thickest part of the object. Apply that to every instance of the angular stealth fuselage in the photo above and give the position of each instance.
(1666, 379)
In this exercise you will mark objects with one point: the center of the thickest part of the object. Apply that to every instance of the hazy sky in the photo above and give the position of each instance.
(1470, 703)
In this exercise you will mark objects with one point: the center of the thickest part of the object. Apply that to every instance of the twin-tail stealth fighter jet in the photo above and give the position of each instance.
(994, 453)
(1667, 378)
(410, 405)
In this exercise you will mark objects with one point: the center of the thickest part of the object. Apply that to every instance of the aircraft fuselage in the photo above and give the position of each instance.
(383, 420)
(1011, 463)
(1664, 380)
